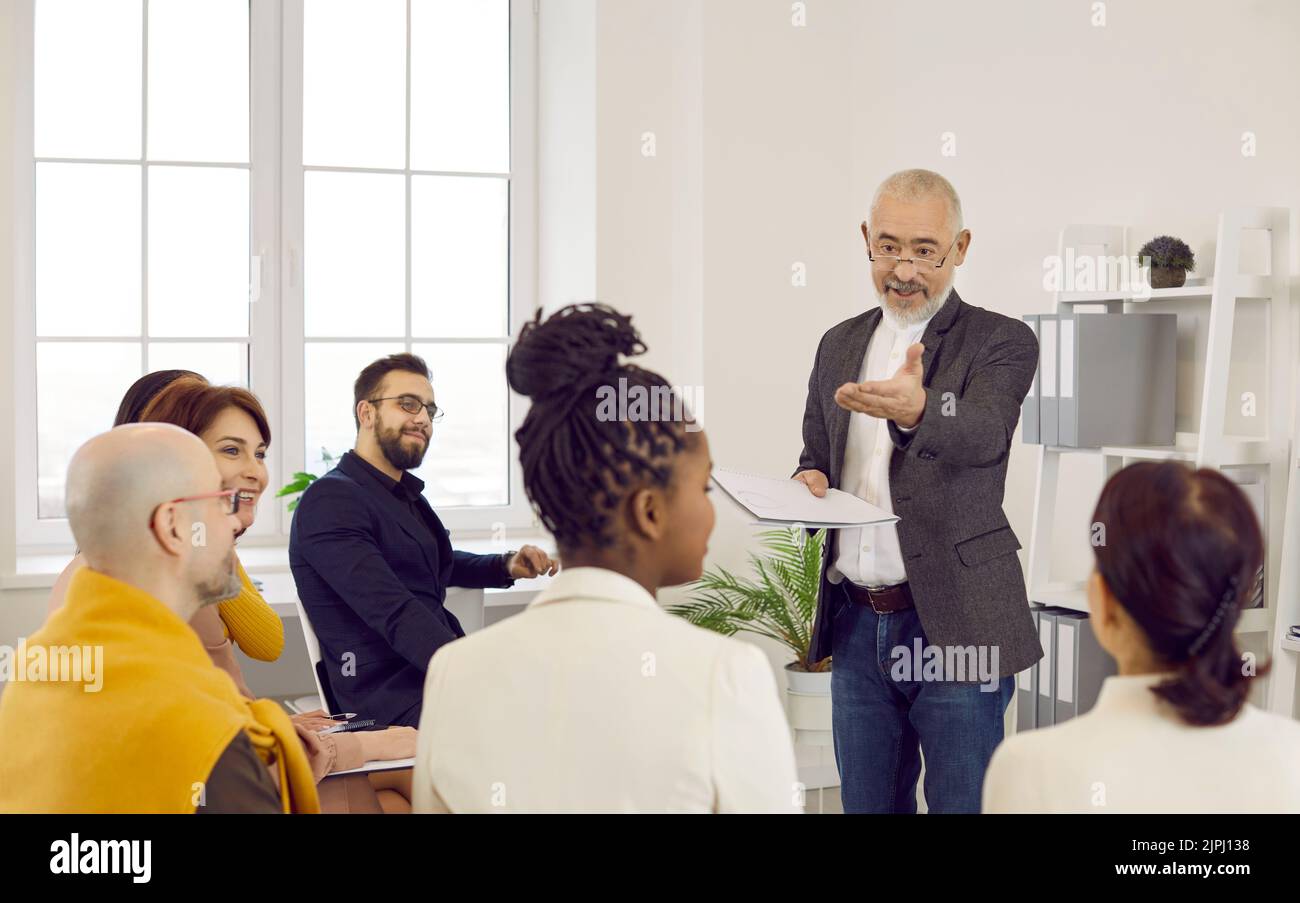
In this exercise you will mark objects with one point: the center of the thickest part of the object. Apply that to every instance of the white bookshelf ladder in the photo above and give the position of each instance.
(1210, 446)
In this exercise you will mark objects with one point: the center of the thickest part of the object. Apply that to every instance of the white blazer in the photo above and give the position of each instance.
(594, 699)
(1132, 753)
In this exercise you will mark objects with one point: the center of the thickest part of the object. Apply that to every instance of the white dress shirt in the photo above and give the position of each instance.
(594, 699)
(871, 556)
(1132, 753)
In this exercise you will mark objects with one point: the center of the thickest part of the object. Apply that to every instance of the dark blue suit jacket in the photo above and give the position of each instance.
(372, 578)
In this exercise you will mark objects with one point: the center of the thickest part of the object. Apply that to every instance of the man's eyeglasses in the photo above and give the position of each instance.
(230, 495)
(412, 405)
(881, 254)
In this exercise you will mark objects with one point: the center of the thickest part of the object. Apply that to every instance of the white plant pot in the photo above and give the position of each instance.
(808, 698)
(809, 683)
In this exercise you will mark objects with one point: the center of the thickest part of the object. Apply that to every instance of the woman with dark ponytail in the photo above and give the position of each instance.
(594, 699)
(1178, 553)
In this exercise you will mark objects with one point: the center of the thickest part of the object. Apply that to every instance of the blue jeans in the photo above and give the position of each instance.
(881, 726)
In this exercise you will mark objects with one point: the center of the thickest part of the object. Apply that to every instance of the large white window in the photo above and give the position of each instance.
(273, 193)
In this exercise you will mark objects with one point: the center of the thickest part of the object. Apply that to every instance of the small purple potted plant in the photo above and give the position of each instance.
(1171, 260)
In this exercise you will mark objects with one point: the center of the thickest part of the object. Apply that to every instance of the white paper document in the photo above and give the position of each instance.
(781, 502)
(377, 765)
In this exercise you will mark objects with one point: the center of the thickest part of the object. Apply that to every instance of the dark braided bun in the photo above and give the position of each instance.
(579, 463)
(575, 345)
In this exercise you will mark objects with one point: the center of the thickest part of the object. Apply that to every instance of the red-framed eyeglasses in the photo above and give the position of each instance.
(231, 494)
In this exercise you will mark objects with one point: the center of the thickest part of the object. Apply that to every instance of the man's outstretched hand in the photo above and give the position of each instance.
(901, 398)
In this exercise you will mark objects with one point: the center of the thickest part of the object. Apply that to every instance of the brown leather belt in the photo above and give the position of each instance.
(883, 600)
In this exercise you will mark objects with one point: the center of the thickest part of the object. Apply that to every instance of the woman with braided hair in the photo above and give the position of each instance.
(594, 699)
(1177, 554)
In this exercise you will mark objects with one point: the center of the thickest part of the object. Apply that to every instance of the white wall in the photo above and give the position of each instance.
(1055, 120)
(7, 175)
(566, 153)
(15, 613)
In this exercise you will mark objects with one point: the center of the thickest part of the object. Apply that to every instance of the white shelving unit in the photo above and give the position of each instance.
(1211, 446)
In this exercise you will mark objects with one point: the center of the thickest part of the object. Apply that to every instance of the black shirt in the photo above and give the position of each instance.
(409, 490)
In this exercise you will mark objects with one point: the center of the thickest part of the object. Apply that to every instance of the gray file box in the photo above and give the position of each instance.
(1117, 379)
(1067, 406)
(1081, 665)
(1029, 411)
(1046, 696)
(1048, 371)
(1027, 687)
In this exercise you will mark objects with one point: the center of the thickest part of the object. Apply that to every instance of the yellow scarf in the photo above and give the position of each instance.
(148, 737)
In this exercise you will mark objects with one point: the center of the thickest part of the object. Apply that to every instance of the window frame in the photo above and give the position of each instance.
(276, 314)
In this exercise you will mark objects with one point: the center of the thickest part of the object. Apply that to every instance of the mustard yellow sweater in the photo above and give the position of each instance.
(251, 623)
(145, 733)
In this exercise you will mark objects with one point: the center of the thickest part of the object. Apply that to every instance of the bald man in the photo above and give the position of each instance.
(182, 552)
(164, 730)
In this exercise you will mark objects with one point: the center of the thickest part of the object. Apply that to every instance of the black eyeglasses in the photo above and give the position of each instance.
(412, 405)
(893, 260)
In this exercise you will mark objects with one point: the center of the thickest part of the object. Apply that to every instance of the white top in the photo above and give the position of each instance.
(1132, 753)
(871, 556)
(594, 699)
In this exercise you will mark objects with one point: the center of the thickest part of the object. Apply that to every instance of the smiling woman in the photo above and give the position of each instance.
(232, 423)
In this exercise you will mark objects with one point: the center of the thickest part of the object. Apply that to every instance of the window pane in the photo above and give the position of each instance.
(354, 262)
(198, 80)
(87, 79)
(78, 388)
(469, 457)
(354, 83)
(87, 249)
(331, 370)
(460, 85)
(220, 363)
(198, 251)
(460, 256)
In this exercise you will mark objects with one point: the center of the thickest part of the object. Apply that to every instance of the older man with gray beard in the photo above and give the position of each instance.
(912, 407)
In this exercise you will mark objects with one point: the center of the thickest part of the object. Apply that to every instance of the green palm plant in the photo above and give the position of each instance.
(302, 480)
(779, 604)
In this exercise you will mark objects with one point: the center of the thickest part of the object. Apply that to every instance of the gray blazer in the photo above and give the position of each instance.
(946, 478)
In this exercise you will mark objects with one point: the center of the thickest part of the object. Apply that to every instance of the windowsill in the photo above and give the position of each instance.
(39, 571)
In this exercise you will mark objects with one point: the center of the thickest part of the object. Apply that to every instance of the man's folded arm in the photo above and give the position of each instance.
(975, 428)
(344, 553)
